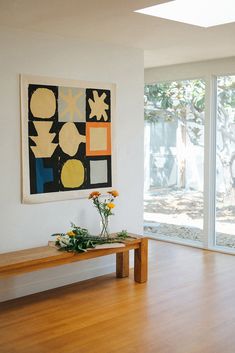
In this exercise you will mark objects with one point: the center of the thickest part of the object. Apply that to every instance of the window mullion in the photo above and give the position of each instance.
(210, 162)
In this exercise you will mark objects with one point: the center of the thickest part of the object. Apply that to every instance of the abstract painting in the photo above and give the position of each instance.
(67, 137)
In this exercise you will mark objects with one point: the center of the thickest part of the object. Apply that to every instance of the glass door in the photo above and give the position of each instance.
(225, 162)
(174, 160)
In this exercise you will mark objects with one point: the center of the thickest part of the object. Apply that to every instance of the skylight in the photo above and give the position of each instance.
(202, 13)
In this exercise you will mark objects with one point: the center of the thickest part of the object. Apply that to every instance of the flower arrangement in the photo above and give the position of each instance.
(79, 240)
(104, 204)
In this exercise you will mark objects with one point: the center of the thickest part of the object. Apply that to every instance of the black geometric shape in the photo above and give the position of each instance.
(51, 162)
(81, 127)
(107, 100)
(31, 90)
(109, 172)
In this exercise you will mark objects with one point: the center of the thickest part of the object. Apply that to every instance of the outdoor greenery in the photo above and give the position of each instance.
(184, 101)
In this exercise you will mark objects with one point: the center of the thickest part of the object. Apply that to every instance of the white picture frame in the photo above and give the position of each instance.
(27, 196)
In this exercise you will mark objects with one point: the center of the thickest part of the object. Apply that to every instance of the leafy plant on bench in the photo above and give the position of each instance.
(80, 240)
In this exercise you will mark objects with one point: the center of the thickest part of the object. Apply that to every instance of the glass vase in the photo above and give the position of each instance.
(104, 227)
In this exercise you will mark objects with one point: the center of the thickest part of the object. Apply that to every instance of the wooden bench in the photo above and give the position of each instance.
(22, 261)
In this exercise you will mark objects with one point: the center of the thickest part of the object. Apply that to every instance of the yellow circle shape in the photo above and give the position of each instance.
(72, 174)
(69, 139)
(43, 103)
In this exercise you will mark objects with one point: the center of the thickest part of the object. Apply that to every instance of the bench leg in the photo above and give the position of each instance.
(122, 264)
(141, 262)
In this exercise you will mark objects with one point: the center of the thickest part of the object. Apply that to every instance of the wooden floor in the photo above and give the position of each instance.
(187, 306)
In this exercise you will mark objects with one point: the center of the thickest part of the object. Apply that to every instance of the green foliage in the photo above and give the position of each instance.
(102, 207)
(123, 234)
(80, 240)
(83, 232)
(226, 91)
(104, 204)
(174, 100)
(184, 102)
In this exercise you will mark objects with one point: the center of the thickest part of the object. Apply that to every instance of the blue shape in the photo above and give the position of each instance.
(43, 175)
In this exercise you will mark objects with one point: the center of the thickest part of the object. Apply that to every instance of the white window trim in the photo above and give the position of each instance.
(207, 70)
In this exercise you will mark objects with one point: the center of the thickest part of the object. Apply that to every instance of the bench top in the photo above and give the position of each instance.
(28, 260)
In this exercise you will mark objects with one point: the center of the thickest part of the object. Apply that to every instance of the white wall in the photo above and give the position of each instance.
(200, 69)
(25, 226)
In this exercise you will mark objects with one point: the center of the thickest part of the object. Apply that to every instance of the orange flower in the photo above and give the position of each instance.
(110, 205)
(114, 193)
(94, 194)
(71, 234)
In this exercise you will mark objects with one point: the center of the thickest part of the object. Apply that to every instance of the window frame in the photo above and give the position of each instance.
(207, 71)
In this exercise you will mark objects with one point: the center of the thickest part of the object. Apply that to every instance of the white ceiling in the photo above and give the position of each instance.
(164, 42)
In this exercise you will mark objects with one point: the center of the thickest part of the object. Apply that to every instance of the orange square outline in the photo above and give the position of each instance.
(106, 152)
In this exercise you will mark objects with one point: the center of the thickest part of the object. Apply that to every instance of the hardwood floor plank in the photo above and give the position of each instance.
(187, 306)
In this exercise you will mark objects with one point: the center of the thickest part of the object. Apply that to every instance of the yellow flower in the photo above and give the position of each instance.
(110, 205)
(71, 234)
(94, 194)
(114, 193)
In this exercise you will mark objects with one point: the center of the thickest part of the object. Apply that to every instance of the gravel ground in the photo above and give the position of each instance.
(181, 232)
(179, 214)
